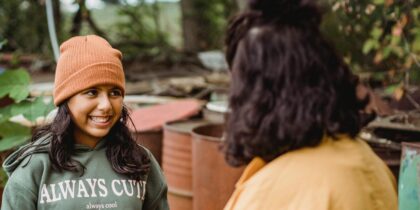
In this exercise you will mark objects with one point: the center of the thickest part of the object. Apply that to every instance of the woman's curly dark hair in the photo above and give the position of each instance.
(289, 86)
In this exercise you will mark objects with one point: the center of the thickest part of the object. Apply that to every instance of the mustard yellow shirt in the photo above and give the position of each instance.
(340, 174)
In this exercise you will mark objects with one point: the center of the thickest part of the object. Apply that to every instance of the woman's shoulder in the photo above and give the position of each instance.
(338, 160)
(336, 171)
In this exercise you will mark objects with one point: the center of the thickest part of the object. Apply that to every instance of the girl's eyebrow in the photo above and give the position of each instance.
(90, 88)
(93, 87)
(98, 87)
(115, 88)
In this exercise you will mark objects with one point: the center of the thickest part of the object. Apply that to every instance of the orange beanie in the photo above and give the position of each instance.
(86, 61)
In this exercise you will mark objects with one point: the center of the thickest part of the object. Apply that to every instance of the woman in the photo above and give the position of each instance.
(295, 117)
(86, 158)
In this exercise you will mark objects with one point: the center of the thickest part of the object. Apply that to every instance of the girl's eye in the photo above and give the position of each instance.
(91, 92)
(116, 92)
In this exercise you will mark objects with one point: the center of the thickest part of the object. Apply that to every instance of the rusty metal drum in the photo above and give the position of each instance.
(152, 140)
(177, 162)
(213, 178)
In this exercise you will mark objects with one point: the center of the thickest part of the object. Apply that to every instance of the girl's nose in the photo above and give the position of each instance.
(104, 102)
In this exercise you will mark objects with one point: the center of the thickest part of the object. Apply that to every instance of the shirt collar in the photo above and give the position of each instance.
(253, 167)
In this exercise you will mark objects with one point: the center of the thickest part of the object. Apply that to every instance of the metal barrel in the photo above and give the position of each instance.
(213, 178)
(177, 162)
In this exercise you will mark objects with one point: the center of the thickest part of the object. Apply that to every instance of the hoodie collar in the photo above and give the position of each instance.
(41, 145)
(101, 144)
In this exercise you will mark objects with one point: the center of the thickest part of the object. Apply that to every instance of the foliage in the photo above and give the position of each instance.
(213, 16)
(141, 26)
(3, 43)
(3, 177)
(13, 135)
(139, 29)
(24, 26)
(112, 1)
(15, 85)
(377, 36)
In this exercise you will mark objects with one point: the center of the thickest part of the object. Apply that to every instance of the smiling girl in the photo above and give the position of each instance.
(86, 158)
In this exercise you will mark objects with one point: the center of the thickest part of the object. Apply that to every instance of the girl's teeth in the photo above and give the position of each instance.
(100, 119)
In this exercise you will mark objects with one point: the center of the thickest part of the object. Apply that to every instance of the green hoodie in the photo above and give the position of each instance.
(34, 184)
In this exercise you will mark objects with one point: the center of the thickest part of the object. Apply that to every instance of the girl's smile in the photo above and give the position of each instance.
(94, 111)
(101, 121)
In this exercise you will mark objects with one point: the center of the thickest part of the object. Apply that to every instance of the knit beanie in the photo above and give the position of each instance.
(84, 62)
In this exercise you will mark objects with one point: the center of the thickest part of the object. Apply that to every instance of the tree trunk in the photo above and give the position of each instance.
(78, 19)
(189, 26)
(83, 14)
(155, 15)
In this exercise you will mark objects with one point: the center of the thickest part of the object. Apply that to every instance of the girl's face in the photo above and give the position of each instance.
(94, 111)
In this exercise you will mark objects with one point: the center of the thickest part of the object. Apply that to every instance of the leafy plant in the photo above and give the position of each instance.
(15, 85)
(379, 36)
(3, 177)
(23, 25)
(213, 15)
(139, 30)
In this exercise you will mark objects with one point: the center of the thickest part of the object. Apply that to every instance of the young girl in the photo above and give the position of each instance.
(86, 158)
(295, 117)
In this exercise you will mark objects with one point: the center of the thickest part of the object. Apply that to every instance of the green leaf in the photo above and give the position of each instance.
(386, 52)
(369, 45)
(13, 129)
(395, 40)
(376, 33)
(391, 89)
(416, 44)
(12, 135)
(415, 31)
(5, 114)
(2, 43)
(12, 142)
(398, 51)
(31, 110)
(379, 2)
(378, 76)
(3, 178)
(15, 83)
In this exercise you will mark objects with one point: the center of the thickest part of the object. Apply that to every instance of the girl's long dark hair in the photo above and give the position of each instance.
(125, 156)
(289, 86)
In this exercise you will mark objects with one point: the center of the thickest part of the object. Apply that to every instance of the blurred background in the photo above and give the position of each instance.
(173, 51)
(380, 39)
